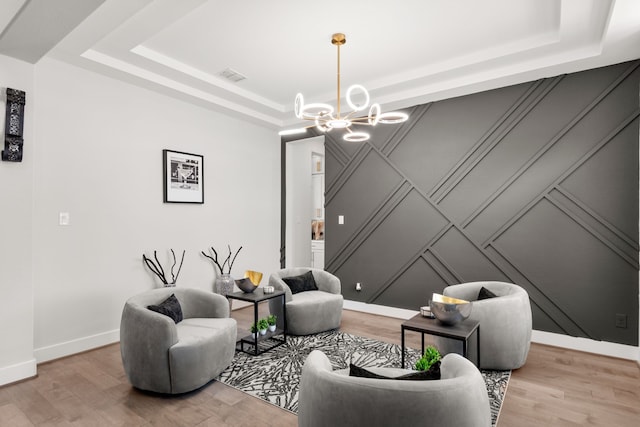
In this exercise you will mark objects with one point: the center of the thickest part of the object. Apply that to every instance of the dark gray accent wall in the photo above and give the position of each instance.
(535, 184)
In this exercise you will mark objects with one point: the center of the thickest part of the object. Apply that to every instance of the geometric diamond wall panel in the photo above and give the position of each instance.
(578, 271)
(357, 196)
(535, 184)
(382, 248)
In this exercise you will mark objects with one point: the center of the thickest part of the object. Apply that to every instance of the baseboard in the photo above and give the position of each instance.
(605, 348)
(621, 351)
(382, 310)
(56, 351)
(17, 372)
(28, 369)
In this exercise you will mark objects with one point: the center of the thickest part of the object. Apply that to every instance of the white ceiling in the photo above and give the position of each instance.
(406, 52)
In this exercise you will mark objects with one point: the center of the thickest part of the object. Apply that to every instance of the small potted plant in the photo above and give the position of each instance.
(271, 320)
(430, 358)
(263, 325)
(254, 331)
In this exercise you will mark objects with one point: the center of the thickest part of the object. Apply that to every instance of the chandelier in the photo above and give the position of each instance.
(326, 118)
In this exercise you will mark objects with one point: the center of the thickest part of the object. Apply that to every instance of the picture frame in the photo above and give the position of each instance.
(183, 177)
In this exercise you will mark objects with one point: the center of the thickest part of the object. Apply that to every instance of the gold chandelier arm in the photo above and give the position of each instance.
(348, 116)
(357, 120)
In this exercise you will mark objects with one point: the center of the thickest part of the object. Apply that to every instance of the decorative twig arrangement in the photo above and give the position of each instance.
(156, 267)
(228, 261)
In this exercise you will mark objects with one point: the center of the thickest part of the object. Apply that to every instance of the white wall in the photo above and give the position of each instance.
(16, 283)
(99, 157)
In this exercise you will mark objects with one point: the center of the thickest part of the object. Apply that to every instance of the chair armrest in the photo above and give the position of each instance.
(201, 303)
(279, 285)
(138, 321)
(145, 339)
(326, 282)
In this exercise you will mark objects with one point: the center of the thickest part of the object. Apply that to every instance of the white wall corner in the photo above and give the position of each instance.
(56, 351)
(557, 340)
(17, 372)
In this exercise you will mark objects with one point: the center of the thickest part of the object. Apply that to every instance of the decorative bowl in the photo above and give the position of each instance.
(246, 285)
(254, 276)
(450, 311)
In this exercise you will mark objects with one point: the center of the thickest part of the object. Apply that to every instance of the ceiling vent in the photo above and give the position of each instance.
(231, 75)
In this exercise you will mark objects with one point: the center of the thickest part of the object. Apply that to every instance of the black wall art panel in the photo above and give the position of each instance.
(535, 184)
(14, 126)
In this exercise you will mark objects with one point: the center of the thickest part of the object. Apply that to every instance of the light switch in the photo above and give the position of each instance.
(64, 218)
(341, 219)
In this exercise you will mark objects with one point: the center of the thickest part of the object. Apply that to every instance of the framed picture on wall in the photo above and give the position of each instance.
(183, 175)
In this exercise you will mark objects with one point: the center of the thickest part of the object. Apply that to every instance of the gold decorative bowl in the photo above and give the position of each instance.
(255, 276)
(450, 310)
(246, 285)
(250, 282)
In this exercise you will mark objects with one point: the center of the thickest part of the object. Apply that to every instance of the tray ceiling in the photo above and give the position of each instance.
(405, 53)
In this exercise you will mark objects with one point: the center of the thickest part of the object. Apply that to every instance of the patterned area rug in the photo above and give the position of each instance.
(275, 375)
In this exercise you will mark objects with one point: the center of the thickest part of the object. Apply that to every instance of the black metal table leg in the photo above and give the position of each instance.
(402, 340)
(255, 322)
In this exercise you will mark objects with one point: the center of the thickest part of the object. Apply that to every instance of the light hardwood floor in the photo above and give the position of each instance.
(556, 387)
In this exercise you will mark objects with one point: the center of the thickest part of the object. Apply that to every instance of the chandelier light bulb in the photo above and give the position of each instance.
(338, 123)
(321, 126)
(292, 131)
(298, 104)
(374, 114)
(392, 117)
(353, 105)
(315, 111)
(356, 136)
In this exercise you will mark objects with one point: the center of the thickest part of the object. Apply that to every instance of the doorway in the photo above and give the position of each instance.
(304, 204)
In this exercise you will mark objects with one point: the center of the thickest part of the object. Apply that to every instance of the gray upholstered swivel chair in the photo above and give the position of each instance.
(162, 356)
(308, 312)
(505, 322)
(333, 398)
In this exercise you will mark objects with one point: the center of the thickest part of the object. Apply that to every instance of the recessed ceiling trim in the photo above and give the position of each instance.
(10, 9)
(181, 67)
(508, 74)
(475, 60)
(40, 25)
(152, 17)
(147, 75)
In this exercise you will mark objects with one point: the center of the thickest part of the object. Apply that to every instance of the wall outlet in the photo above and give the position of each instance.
(358, 287)
(621, 320)
(64, 218)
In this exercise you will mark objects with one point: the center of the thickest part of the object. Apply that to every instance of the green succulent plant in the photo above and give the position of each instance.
(271, 319)
(431, 356)
(263, 324)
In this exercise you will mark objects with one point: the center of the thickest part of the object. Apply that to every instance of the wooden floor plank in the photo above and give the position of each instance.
(556, 387)
(10, 414)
